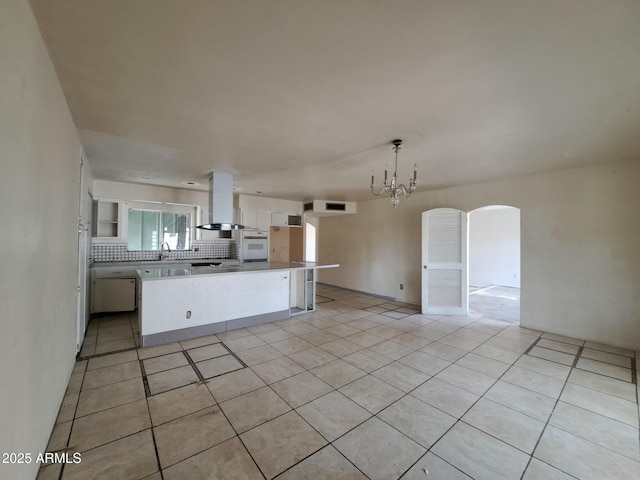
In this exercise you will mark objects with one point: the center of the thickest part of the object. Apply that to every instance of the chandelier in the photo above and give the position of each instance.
(393, 188)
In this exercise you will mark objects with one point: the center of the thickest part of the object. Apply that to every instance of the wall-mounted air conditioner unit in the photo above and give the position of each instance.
(323, 208)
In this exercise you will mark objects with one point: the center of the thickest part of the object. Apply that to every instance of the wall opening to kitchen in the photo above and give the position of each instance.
(494, 262)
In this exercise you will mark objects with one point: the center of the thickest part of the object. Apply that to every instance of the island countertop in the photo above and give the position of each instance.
(166, 272)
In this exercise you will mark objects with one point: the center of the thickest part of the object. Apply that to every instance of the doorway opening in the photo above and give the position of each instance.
(494, 263)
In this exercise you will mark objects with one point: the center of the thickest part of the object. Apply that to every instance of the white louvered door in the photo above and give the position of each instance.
(444, 262)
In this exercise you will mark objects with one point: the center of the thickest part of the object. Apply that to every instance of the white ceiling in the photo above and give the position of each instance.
(301, 98)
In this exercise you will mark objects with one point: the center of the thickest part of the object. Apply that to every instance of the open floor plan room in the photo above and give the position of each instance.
(362, 388)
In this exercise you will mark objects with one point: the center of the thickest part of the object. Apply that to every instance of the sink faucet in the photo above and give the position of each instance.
(162, 250)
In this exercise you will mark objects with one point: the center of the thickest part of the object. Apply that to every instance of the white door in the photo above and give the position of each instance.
(84, 249)
(444, 262)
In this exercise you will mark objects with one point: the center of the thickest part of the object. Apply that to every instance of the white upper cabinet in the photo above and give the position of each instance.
(256, 219)
(109, 221)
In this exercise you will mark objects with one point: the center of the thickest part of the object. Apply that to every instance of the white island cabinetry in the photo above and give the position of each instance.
(182, 303)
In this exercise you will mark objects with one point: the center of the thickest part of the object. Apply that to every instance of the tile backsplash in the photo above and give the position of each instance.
(119, 253)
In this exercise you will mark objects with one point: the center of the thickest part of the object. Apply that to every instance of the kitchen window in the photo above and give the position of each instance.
(149, 229)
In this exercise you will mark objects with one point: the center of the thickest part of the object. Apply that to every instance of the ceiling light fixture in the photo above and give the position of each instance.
(393, 188)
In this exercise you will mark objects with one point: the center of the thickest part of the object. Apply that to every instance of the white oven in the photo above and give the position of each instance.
(255, 249)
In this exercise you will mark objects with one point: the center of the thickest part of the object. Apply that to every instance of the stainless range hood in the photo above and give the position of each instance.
(221, 204)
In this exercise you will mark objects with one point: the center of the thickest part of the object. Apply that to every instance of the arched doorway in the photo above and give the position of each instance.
(494, 262)
(471, 262)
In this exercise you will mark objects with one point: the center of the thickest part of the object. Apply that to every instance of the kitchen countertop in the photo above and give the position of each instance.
(180, 270)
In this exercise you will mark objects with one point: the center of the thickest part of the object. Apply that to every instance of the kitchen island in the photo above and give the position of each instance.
(181, 302)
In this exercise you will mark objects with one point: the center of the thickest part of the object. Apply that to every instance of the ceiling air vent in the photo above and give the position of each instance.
(322, 208)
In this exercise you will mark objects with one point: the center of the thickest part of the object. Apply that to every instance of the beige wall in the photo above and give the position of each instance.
(580, 256)
(39, 195)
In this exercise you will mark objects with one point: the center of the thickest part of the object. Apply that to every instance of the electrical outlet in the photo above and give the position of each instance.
(402, 286)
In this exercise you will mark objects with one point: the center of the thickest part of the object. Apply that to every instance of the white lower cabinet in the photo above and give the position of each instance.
(113, 295)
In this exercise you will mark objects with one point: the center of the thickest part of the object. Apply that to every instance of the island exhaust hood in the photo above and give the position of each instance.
(221, 204)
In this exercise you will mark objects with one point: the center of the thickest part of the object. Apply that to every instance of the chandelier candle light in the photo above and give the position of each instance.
(393, 188)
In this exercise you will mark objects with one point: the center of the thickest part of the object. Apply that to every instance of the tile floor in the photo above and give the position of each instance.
(362, 388)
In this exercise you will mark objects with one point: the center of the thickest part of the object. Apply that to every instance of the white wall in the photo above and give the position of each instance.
(494, 247)
(39, 193)
(580, 261)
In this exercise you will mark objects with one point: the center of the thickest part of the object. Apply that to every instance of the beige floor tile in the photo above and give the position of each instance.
(559, 346)
(208, 351)
(365, 339)
(603, 431)
(508, 344)
(319, 337)
(436, 468)
(612, 386)
(429, 333)
(338, 373)
(75, 383)
(233, 334)
(514, 428)
(277, 369)
(233, 384)
(341, 347)
(412, 341)
(263, 328)
(425, 363)
(125, 334)
(602, 403)
(300, 329)
(583, 459)
(275, 335)
(324, 464)
(448, 398)
(342, 330)
(378, 450)
(112, 374)
(218, 366)
(281, 443)
(333, 415)
(469, 380)
(561, 338)
(291, 345)
(59, 436)
(401, 376)
(385, 331)
(520, 336)
(472, 334)
(173, 404)
(113, 359)
(552, 355)
(50, 472)
(254, 356)
(103, 427)
(362, 324)
(607, 369)
(462, 343)
(497, 353)
(227, 461)
(444, 351)
(607, 348)
(544, 367)
(253, 408)
(68, 408)
(443, 325)
(480, 455)
(199, 342)
(149, 352)
(312, 357)
(165, 362)
(484, 365)
(538, 470)
(108, 396)
(115, 346)
(549, 386)
(422, 423)
(525, 401)
(371, 393)
(170, 379)
(187, 436)
(367, 360)
(131, 457)
(391, 349)
(300, 389)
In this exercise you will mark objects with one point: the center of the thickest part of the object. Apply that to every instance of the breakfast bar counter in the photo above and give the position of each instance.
(181, 302)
